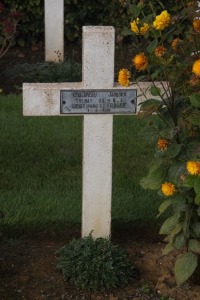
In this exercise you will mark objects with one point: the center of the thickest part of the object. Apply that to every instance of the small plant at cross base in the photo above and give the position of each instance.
(95, 264)
(169, 53)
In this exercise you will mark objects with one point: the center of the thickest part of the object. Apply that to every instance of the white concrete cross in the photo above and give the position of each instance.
(43, 99)
(54, 30)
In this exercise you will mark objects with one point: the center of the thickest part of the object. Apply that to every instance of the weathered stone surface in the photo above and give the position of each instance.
(54, 30)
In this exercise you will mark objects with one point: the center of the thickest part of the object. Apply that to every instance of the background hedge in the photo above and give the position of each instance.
(77, 13)
(117, 13)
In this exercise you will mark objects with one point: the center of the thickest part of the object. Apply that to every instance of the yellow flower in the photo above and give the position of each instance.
(162, 144)
(144, 29)
(162, 21)
(168, 189)
(134, 26)
(140, 62)
(139, 29)
(193, 167)
(160, 51)
(123, 77)
(196, 68)
(175, 44)
(196, 25)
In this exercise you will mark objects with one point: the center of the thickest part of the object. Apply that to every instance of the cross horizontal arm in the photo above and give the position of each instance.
(42, 99)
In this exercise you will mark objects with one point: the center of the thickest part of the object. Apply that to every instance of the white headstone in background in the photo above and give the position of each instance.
(54, 30)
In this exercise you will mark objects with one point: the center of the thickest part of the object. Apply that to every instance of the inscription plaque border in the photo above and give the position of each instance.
(132, 109)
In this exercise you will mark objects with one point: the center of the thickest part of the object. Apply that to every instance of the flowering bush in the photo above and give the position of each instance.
(8, 25)
(169, 50)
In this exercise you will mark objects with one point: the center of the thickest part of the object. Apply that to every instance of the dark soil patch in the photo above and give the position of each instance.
(28, 269)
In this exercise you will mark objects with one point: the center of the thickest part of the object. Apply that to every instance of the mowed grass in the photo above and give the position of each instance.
(41, 170)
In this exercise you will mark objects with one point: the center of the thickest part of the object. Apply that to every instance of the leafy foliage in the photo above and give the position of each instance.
(95, 264)
(85, 12)
(8, 28)
(67, 71)
(171, 50)
(77, 13)
(31, 26)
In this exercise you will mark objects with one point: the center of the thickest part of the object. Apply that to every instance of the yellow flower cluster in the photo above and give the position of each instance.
(139, 29)
(196, 68)
(168, 189)
(140, 62)
(160, 51)
(196, 25)
(162, 21)
(162, 144)
(123, 77)
(134, 26)
(193, 167)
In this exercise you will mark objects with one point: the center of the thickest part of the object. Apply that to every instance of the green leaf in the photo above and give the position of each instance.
(155, 164)
(141, 78)
(135, 10)
(168, 248)
(198, 211)
(126, 32)
(177, 229)
(174, 149)
(189, 181)
(195, 100)
(167, 133)
(169, 224)
(175, 172)
(179, 241)
(150, 102)
(197, 200)
(192, 150)
(194, 118)
(140, 5)
(194, 246)
(197, 186)
(155, 91)
(155, 74)
(179, 203)
(149, 106)
(185, 266)
(164, 206)
(151, 47)
(150, 183)
(196, 229)
(154, 179)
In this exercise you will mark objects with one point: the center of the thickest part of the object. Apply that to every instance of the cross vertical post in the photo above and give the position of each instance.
(54, 30)
(98, 73)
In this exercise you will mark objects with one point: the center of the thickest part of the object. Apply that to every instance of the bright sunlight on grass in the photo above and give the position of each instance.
(41, 169)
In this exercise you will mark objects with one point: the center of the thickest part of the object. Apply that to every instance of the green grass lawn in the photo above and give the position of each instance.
(41, 170)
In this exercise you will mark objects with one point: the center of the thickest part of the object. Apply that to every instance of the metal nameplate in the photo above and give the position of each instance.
(113, 101)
